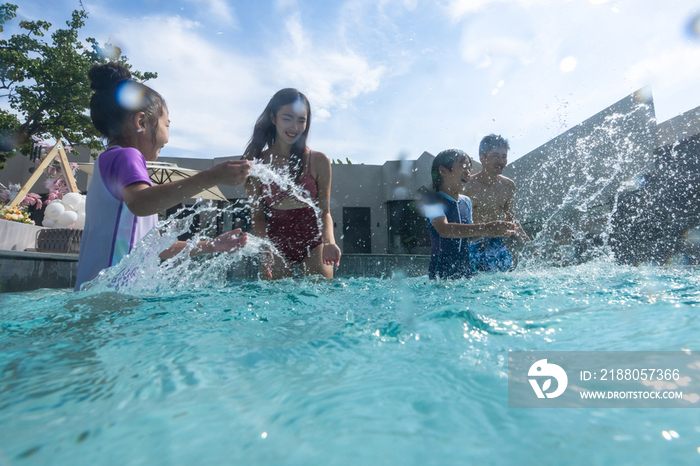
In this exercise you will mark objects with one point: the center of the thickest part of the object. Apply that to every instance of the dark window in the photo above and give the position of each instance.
(357, 231)
(408, 229)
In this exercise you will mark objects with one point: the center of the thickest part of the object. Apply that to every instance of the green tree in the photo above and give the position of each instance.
(46, 84)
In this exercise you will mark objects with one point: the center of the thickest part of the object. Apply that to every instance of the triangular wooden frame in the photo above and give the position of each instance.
(65, 166)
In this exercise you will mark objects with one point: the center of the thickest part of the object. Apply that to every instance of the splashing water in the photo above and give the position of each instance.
(693, 27)
(141, 272)
(131, 95)
(586, 169)
(268, 176)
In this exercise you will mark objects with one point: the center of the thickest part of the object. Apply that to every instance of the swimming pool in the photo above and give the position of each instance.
(346, 371)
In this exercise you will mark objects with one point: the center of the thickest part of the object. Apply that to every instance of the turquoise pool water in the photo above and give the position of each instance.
(347, 371)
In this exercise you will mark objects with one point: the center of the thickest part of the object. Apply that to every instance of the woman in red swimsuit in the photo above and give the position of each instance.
(279, 140)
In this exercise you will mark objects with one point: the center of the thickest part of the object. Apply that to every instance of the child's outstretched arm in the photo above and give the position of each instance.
(462, 230)
(143, 200)
(227, 242)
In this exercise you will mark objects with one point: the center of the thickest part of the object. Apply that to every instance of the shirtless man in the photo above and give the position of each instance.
(492, 198)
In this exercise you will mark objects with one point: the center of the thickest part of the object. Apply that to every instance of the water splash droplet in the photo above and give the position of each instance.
(130, 95)
(693, 28)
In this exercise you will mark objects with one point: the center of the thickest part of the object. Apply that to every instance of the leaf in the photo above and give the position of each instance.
(546, 385)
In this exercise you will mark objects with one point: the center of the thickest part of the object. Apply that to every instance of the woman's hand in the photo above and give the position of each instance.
(331, 254)
(227, 242)
(230, 241)
(267, 258)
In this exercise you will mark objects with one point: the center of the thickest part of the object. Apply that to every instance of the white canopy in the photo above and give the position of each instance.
(162, 172)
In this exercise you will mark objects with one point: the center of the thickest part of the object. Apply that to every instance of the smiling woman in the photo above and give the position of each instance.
(299, 233)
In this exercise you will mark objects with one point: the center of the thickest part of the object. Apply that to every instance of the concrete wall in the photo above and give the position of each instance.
(679, 128)
(659, 222)
(24, 271)
(354, 185)
(382, 265)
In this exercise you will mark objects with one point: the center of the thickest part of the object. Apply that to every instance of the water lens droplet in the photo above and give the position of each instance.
(130, 95)
(692, 236)
(694, 27)
(299, 107)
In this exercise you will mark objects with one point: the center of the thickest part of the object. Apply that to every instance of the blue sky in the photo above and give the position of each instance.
(389, 79)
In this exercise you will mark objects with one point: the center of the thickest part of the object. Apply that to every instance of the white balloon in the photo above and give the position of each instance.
(48, 223)
(54, 210)
(71, 200)
(67, 218)
(80, 223)
(80, 208)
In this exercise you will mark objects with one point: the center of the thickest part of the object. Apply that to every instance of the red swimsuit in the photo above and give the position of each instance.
(294, 232)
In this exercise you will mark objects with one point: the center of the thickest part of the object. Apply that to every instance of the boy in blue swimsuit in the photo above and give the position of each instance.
(492, 195)
(450, 217)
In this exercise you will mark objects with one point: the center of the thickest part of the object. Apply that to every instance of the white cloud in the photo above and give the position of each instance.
(458, 9)
(285, 6)
(322, 115)
(568, 64)
(330, 78)
(219, 10)
(410, 5)
(481, 42)
(682, 60)
(297, 35)
(479, 50)
(215, 94)
(211, 92)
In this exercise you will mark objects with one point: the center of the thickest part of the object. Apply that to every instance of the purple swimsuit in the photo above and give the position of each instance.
(111, 230)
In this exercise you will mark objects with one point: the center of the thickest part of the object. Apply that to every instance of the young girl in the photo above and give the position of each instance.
(279, 140)
(450, 217)
(122, 204)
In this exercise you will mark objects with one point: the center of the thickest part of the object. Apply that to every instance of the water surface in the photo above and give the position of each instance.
(346, 371)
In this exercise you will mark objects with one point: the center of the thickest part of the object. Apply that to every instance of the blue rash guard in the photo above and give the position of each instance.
(449, 257)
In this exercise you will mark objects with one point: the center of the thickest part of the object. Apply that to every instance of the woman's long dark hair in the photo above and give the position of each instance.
(264, 132)
(117, 97)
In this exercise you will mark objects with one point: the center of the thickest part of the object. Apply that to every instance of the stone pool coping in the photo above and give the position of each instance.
(31, 270)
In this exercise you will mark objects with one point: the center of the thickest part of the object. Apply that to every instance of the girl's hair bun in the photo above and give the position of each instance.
(104, 77)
